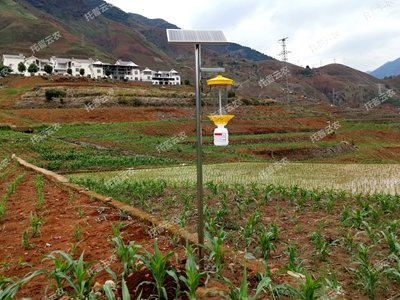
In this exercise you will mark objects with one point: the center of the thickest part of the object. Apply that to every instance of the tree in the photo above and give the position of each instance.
(4, 70)
(69, 71)
(48, 69)
(108, 72)
(187, 82)
(82, 72)
(21, 67)
(32, 69)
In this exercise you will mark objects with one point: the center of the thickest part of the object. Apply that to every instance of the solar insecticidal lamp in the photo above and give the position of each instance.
(220, 117)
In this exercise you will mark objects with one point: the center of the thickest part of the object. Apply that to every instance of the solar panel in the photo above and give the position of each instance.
(181, 36)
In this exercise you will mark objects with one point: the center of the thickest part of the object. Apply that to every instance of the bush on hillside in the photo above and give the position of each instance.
(54, 93)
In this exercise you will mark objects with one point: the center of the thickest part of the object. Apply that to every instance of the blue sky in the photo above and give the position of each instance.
(363, 36)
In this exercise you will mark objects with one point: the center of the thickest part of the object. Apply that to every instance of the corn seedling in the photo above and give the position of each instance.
(369, 276)
(9, 287)
(174, 240)
(274, 229)
(62, 266)
(36, 222)
(72, 197)
(370, 231)
(391, 240)
(77, 232)
(266, 245)
(215, 248)
(79, 276)
(74, 247)
(333, 282)
(157, 264)
(39, 184)
(117, 229)
(348, 241)
(2, 208)
(394, 273)
(294, 264)
(308, 288)
(193, 276)
(127, 254)
(242, 292)
(25, 241)
(13, 185)
(81, 211)
(323, 248)
(5, 173)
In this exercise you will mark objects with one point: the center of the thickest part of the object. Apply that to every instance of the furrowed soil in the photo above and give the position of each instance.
(60, 215)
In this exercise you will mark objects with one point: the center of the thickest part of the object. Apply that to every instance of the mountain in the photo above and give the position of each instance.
(232, 50)
(239, 51)
(160, 23)
(114, 34)
(391, 68)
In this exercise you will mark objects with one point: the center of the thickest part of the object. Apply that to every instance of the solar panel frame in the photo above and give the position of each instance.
(183, 36)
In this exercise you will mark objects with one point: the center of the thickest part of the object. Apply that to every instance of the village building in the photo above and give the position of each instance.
(121, 70)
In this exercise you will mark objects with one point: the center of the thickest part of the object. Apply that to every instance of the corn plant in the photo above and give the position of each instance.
(294, 264)
(367, 273)
(2, 209)
(193, 276)
(333, 282)
(274, 229)
(77, 232)
(323, 248)
(72, 197)
(215, 248)
(157, 264)
(78, 275)
(348, 241)
(9, 287)
(13, 184)
(39, 184)
(81, 211)
(127, 254)
(394, 273)
(308, 288)
(242, 292)
(25, 241)
(393, 243)
(35, 221)
(62, 266)
(370, 232)
(5, 173)
(117, 229)
(212, 186)
(266, 245)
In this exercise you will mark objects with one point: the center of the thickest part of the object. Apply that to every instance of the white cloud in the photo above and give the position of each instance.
(368, 31)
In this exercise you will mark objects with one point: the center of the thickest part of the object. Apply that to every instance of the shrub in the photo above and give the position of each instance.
(54, 93)
(137, 102)
(231, 94)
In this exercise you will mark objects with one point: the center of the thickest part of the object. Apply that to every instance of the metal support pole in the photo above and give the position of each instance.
(199, 158)
(220, 101)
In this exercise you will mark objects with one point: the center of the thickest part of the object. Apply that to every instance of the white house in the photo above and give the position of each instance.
(123, 70)
(12, 61)
(166, 78)
(40, 63)
(147, 74)
(128, 69)
(60, 65)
